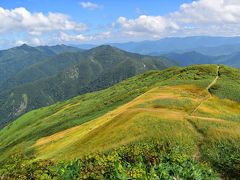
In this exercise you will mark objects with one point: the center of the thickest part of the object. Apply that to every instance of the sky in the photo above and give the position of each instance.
(50, 22)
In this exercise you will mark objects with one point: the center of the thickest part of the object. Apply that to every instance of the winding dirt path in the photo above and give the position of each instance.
(197, 154)
(215, 80)
(209, 94)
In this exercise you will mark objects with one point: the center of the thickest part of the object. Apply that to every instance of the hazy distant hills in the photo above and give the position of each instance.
(193, 57)
(202, 43)
(188, 58)
(213, 46)
(232, 60)
(188, 50)
(56, 77)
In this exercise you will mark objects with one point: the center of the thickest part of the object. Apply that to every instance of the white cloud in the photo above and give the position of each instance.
(20, 19)
(64, 37)
(34, 42)
(203, 17)
(90, 5)
(20, 42)
(146, 24)
(104, 35)
(208, 12)
(79, 38)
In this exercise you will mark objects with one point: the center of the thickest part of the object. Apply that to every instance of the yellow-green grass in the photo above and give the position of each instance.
(63, 115)
(107, 119)
(217, 129)
(220, 144)
(27, 129)
(180, 109)
(219, 108)
(134, 121)
(164, 114)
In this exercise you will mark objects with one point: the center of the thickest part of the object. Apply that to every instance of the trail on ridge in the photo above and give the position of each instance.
(197, 154)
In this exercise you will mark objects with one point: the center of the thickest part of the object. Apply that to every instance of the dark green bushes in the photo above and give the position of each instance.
(21, 167)
(141, 161)
(224, 156)
(138, 161)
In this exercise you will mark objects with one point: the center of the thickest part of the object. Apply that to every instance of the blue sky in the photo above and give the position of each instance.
(112, 9)
(38, 22)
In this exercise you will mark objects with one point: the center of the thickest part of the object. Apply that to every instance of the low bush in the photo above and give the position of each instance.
(136, 161)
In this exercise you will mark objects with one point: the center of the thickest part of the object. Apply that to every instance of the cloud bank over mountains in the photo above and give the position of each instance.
(202, 17)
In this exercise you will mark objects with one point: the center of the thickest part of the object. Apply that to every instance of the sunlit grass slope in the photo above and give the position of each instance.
(130, 122)
(163, 113)
(45, 121)
(188, 107)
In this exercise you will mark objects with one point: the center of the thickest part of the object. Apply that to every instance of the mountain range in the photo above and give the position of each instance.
(45, 75)
(16, 59)
(207, 45)
(187, 50)
(106, 113)
(34, 77)
(193, 57)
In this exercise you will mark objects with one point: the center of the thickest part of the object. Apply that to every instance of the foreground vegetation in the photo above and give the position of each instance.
(188, 128)
(137, 161)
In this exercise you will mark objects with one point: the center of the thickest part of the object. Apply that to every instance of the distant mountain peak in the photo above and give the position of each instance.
(104, 48)
(24, 45)
(108, 47)
(60, 45)
(193, 53)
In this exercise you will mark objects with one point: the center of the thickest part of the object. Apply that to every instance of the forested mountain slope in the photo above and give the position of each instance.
(16, 59)
(69, 74)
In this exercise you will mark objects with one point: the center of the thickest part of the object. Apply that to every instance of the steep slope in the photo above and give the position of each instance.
(201, 75)
(70, 74)
(86, 107)
(144, 115)
(16, 59)
(41, 70)
(180, 106)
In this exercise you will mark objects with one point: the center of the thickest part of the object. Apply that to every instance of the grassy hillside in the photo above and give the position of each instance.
(188, 108)
(70, 74)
